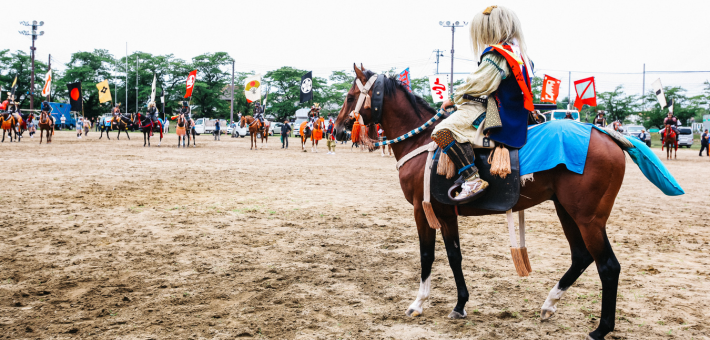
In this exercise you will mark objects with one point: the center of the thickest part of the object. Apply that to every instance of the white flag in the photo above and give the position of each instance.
(439, 86)
(658, 88)
(47, 84)
(252, 88)
(152, 92)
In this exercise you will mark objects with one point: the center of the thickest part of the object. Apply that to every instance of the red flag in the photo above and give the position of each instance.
(586, 93)
(550, 90)
(190, 83)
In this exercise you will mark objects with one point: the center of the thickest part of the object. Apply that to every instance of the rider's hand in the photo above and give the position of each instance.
(446, 104)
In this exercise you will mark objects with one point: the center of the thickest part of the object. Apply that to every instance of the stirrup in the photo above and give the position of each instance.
(455, 190)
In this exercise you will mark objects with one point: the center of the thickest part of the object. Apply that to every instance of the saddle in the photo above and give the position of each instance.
(502, 193)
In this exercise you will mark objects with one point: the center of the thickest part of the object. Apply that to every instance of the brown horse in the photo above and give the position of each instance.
(46, 123)
(670, 141)
(305, 133)
(583, 202)
(8, 121)
(255, 127)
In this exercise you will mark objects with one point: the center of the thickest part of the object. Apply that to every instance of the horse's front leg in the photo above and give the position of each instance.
(427, 243)
(450, 233)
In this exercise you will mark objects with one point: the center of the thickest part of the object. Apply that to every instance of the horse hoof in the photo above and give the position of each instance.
(413, 313)
(456, 315)
(546, 314)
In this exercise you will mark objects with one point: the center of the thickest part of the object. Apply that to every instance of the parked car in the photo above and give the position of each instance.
(206, 125)
(635, 130)
(685, 137)
(296, 126)
(560, 114)
(239, 131)
(276, 128)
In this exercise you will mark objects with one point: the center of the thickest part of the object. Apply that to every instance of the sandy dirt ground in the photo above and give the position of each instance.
(109, 240)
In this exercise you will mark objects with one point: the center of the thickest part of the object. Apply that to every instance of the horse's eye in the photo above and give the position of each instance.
(350, 99)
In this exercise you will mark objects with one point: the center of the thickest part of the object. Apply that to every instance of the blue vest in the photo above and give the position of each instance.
(513, 114)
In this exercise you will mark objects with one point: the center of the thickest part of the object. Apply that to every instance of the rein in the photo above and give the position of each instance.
(414, 132)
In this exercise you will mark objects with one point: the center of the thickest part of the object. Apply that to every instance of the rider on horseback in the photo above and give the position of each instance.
(495, 102)
(671, 123)
(600, 121)
(259, 115)
(116, 113)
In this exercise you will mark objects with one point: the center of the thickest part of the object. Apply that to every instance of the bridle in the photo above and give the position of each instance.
(377, 83)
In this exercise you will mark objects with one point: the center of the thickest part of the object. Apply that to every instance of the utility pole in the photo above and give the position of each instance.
(49, 93)
(453, 26)
(231, 101)
(34, 35)
(643, 88)
(569, 90)
(438, 54)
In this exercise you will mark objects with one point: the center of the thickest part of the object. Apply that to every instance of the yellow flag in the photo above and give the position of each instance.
(104, 91)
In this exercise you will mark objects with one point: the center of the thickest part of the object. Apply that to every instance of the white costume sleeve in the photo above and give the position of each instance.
(486, 79)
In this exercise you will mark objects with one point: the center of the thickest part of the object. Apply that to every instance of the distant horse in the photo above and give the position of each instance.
(122, 123)
(46, 123)
(9, 121)
(27, 117)
(670, 141)
(147, 126)
(254, 128)
(190, 132)
(305, 132)
(583, 201)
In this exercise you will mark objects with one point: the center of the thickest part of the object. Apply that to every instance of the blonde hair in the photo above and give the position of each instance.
(500, 26)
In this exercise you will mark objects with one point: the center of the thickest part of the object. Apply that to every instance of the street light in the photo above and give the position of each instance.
(453, 26)
(34, 35)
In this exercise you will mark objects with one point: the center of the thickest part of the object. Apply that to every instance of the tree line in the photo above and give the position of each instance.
(212, 90)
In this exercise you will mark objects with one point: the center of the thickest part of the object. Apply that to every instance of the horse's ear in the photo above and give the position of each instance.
(360, 74)
(362, 67)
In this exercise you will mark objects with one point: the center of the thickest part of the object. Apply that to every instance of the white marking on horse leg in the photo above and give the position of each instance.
(415, 309)
(550, 306)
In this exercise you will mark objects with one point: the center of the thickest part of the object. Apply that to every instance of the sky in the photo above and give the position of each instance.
(593, 38)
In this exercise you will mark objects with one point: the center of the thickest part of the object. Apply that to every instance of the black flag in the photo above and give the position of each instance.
(75, 96)
(307, 87)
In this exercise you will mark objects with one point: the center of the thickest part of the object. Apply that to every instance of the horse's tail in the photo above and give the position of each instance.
(649, 164)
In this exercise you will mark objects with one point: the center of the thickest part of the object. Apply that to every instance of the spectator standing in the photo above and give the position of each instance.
(63, 121)
(217, 131)
(79, 126)
(704, 141)
(285, 132)
(642, 136)
(330, 137)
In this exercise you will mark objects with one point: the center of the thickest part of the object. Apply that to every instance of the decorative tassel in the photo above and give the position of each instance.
(518, 261)
(367, 102)
(526, 260)
(430, 215)
(446, 166)
(500, 162)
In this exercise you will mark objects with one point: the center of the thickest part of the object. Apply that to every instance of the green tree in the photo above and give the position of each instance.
(617, 104)
(285, 92)
(89, 68)
(20, 64)
(209, 95)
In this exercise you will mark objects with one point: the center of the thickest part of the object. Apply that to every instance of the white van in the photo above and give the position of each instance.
(206, 125)
(561, 114)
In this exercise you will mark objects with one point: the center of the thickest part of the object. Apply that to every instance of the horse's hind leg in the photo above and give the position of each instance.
(427, 243)
(581, 259)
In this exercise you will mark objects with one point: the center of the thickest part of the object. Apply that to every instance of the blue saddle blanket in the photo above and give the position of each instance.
(567, 142)
(553, 143)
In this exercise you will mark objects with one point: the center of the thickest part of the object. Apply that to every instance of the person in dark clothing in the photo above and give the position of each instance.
(704, 141)
(285, 132)
(217, 132)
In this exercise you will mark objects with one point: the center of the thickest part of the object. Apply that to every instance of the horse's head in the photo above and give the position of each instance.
(354, 98)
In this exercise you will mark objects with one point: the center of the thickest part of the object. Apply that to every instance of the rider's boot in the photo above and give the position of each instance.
(470, 183)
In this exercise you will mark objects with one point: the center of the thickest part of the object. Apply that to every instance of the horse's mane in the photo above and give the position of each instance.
(392, 84)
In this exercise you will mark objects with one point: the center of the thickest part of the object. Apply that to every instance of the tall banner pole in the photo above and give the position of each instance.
(126, 77)
(231, 102)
